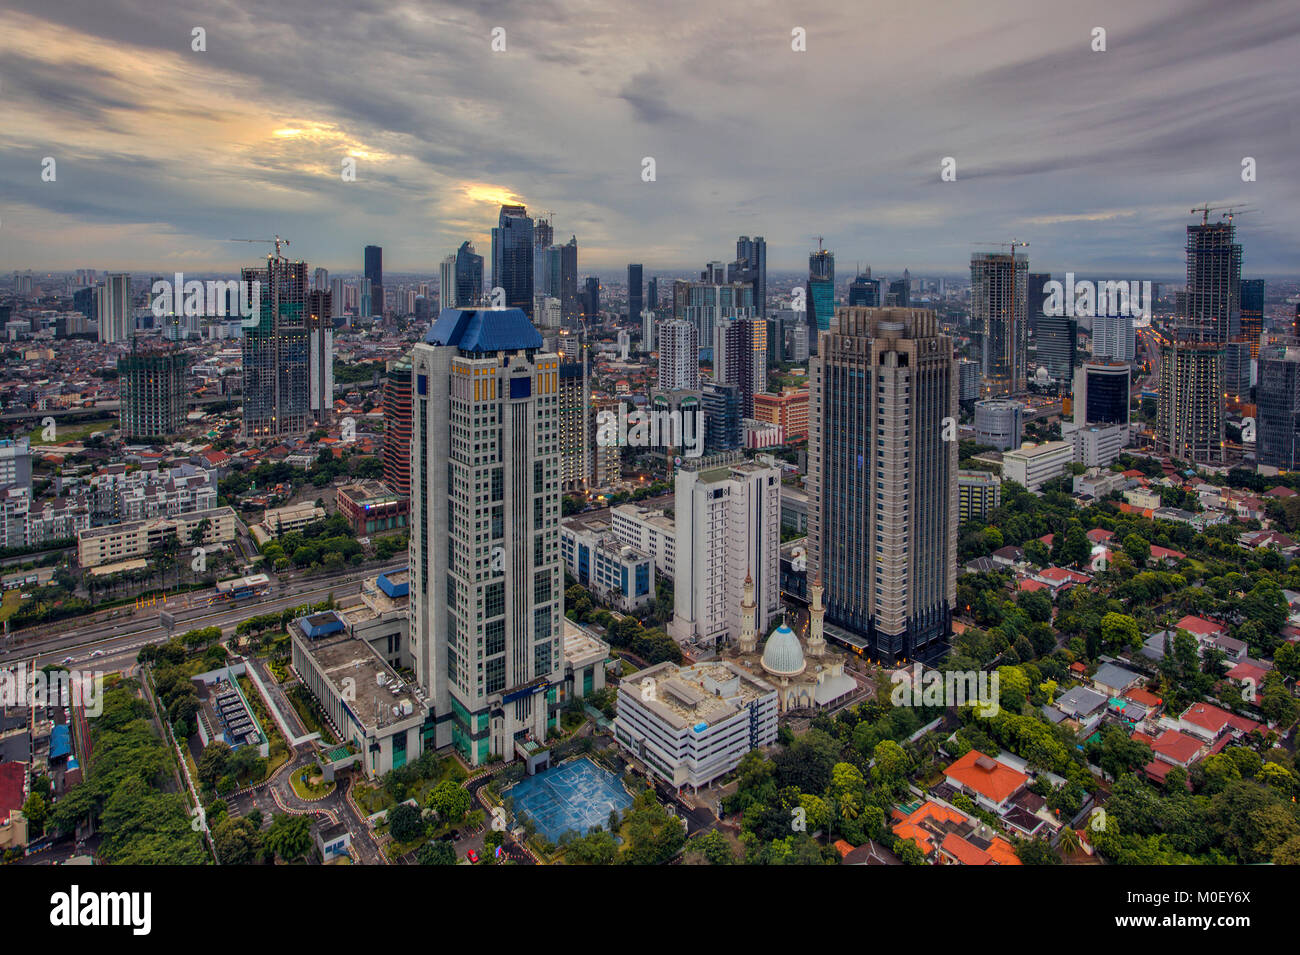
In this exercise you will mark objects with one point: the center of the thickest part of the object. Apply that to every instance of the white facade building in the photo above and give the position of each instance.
(1033, 465)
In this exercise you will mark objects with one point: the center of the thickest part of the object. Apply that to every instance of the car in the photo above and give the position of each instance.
(97, 653)
(472, 856)
(67, 659)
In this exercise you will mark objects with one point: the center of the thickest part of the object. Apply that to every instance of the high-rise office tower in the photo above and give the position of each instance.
(900, 294)
(469, 277)
(573, 425)
(277, 396)
(652, 294)
(116, 316)
(570, 300)
(635, 292)
(820, 298)
(375, 273)
(366, 302)
(512, 257)
(397, 426)
(882, 503)
(1277, 434)
(1113, 337)
(728, 528)
(152, 386)
(865, 291)
(1037, 297)
(320, 280)
(1189, 411)
(647, 330)
(447, 283)
(1057, 338)
(723, 417)
(1101, 393)
(591, 301)
(320, 331)
(706, 306)
(740, 358)
(750, 268)
(1213, 282)
(1237, 368)
(338, 297)
(1252, 313)
(999, 305)
(543, 239)
(679, 355)
(487, 582)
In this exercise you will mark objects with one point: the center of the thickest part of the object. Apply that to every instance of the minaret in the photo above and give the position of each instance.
(816, 642)
(748, 632)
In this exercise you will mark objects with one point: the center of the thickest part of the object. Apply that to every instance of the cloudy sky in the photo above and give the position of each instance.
(1095, 158)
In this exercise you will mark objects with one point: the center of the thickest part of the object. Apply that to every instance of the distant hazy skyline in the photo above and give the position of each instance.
(1094, 158)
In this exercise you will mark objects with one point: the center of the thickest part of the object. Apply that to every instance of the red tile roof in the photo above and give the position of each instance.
(1199, 625)
(1175, 746)
(1099, 535)
(986, 776)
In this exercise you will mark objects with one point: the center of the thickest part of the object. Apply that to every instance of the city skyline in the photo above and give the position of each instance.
(1097, 176)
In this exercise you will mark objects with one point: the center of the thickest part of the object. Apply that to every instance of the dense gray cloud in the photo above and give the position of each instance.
(163, 153)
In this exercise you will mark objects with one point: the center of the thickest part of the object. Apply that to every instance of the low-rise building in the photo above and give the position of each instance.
(616, 572)
(690, 725)
(647, 529)
(368, 704)
(371, 507)
(1033, 465)
(978, 493)
(585, 656)
(117, 542)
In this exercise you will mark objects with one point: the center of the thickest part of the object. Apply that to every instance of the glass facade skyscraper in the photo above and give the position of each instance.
(512, 258)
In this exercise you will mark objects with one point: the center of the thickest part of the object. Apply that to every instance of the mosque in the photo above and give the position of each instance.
(804, 679)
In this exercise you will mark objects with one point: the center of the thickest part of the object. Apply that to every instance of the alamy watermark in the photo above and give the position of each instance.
(651, 428)
(951, 688)
(210, 299)
(21, 687)
(1093, 299)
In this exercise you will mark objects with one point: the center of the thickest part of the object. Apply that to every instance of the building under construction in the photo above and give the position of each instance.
(277, 391)
(152, 389)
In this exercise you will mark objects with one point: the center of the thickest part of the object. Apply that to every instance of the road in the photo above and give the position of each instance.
(111, 642)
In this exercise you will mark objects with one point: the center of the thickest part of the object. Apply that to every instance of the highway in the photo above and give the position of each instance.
(114, 644)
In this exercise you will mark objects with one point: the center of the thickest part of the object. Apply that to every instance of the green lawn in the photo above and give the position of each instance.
(304, 788)
(72, 432)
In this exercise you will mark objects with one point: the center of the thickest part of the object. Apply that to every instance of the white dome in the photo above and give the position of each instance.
(783, 656)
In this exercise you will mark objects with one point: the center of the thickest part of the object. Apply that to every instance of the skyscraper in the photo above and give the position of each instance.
(320, 331)
(1252, 313)
(706, 305)
(865, 291)
(999, 306)
(1113, 337)
(1213, 282)
(375, 273)
(277, 396)
(573, 424)
(1036, 298)
(487, 585)
(723, 418)
(116, 316)
(882, 504)
(679, 355)
(591, 301)
(543, 239)
(469, 277)
(750, 267)
(1189, 412)
(652, 294)
(635, 293)
(397, 426)
(447, 282)
(1057, 338)
(1101, 393)
(512, 258)
(820, 294)
(740, 358)
(1277, 441)
(570, 302)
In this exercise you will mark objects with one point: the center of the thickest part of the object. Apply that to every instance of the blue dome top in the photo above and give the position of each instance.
(783, 656)
(484, 329)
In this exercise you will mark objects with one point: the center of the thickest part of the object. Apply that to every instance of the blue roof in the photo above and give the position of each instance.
(484, 329)
(60, 741)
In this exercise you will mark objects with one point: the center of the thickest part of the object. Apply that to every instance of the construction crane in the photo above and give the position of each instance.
(277, 242)
(1012, 245)
(1234, 210)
